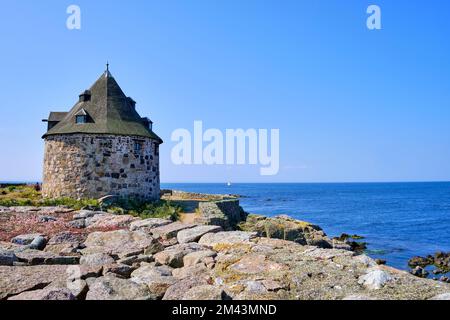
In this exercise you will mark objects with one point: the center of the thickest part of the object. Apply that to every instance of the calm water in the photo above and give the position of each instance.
(399, 220)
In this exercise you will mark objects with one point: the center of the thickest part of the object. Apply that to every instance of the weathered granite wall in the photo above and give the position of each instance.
(92, 166)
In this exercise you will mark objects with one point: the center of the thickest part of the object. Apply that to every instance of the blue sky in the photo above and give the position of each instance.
(351, 104)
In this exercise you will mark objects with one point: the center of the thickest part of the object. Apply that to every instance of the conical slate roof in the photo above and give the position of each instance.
(108, 111)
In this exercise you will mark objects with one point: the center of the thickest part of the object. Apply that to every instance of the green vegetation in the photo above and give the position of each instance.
(144, 210)
(13, 196)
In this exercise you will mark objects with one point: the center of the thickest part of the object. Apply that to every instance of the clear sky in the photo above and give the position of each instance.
(351, 104)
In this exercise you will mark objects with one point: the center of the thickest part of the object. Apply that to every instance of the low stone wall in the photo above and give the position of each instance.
(224, 213)
(183, 195)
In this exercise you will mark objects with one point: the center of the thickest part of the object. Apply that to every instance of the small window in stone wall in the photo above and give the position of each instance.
(138, 146)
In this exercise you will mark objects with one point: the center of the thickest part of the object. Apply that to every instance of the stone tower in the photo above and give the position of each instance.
(101, 147)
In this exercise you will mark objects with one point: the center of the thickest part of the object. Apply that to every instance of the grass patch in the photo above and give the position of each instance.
(13, 196)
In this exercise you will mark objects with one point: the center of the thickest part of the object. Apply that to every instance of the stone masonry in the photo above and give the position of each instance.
(95, 165)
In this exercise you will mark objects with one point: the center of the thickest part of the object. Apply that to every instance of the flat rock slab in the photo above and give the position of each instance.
(110, 287)
(195, 233)
(149, 223)
(226, 238)
(67, 237)
(116, 242)
(15, 280)
(170, 230)
(256, 264)
(37, 257)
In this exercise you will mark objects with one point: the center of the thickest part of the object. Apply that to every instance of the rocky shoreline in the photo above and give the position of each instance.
(223, 253)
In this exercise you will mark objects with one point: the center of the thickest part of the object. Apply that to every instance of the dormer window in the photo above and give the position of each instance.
(147, 123)
(85, 96)
(81, 117)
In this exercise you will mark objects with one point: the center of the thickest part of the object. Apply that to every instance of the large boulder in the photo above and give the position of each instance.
(117, 242)
(157, 278)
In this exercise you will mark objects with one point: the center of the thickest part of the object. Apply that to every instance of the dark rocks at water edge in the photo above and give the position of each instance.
(120, 257)
(440, 263)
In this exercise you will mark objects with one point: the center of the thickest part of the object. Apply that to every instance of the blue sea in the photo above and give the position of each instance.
(398, 220)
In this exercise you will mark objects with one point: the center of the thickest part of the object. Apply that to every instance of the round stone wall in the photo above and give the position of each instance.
(86, 166)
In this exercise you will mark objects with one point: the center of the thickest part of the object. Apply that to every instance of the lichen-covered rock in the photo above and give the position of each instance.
(63, 249)
(110, 287)
(66, 237)
(194, 234)
(196, 270)
(15, 280)
(157, 278)
(116, 242)
(196, 257)
(204, 292)
(178, 290)
(226, 238)
(283, 227)
(255, 264)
